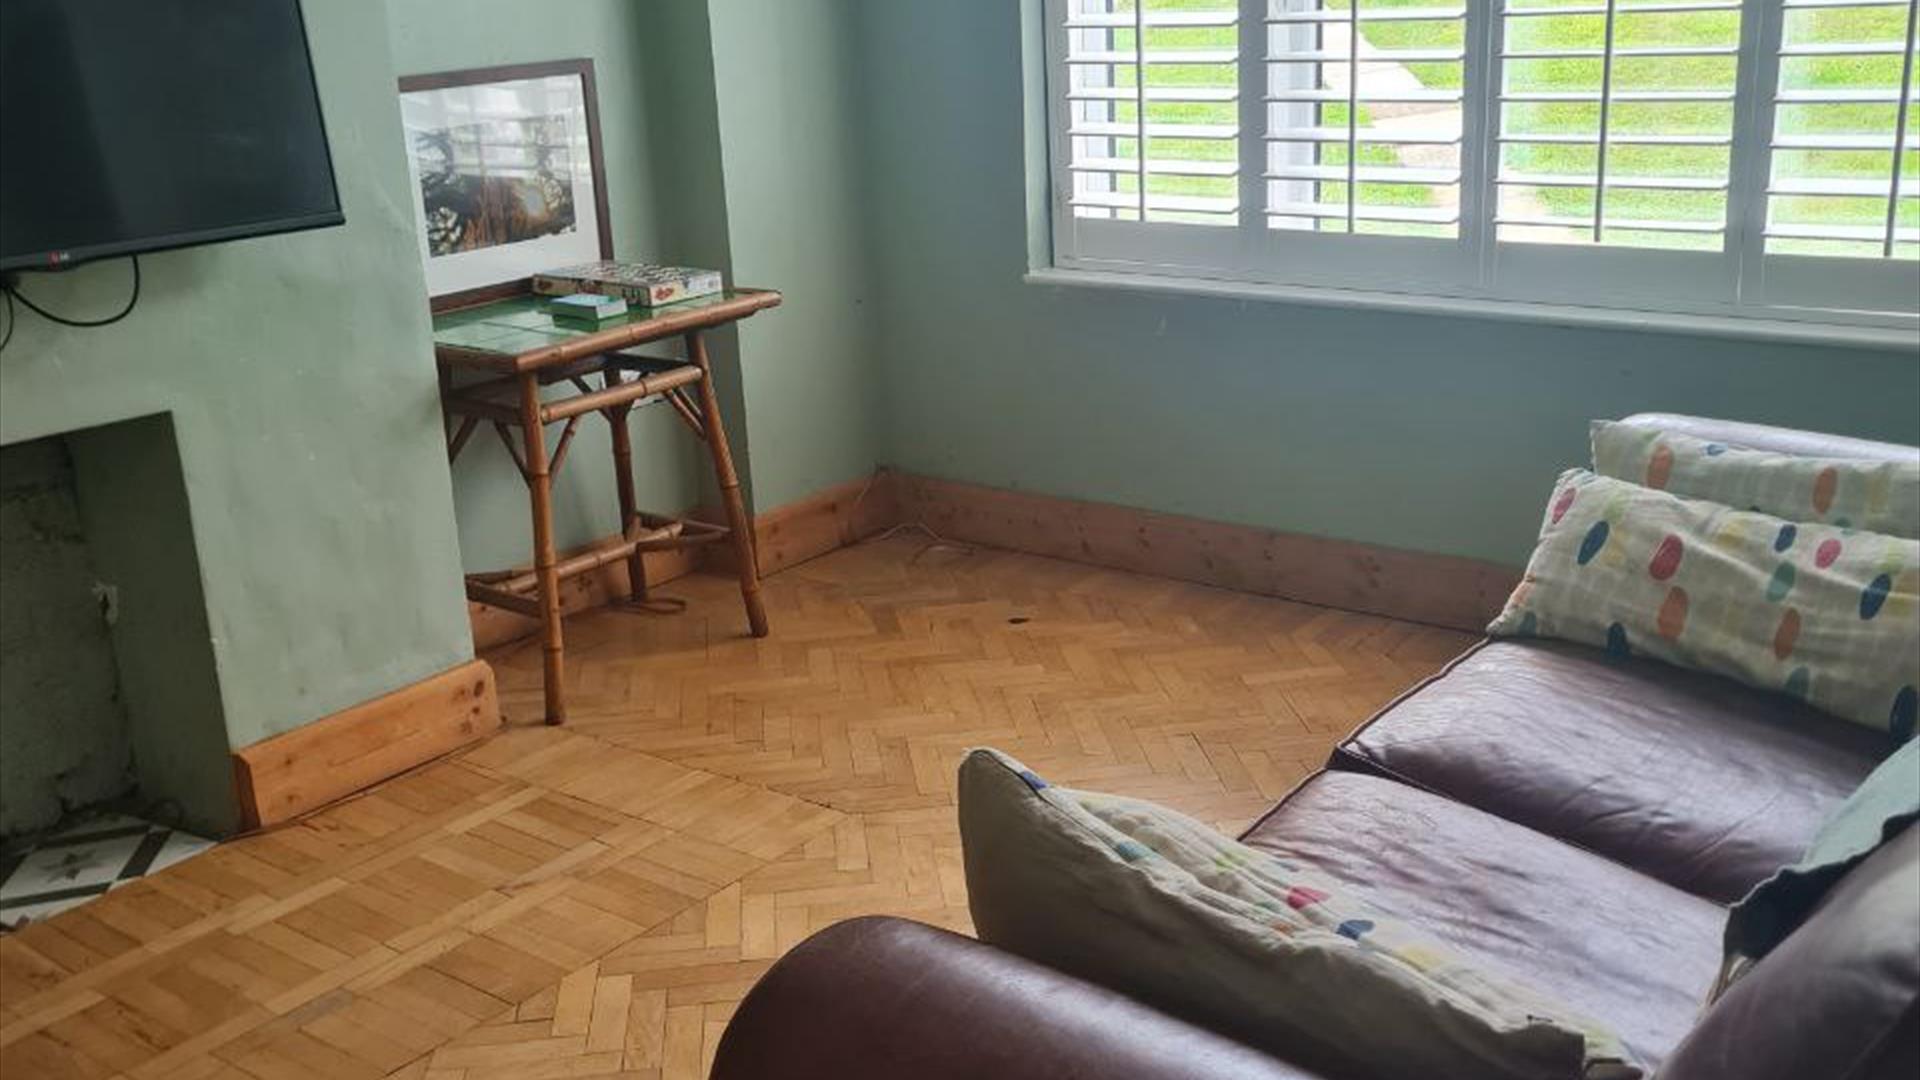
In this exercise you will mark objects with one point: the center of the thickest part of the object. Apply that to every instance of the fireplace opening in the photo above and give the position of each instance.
(110, 712)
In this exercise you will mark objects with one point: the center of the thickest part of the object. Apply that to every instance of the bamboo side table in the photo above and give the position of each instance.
(523, 350)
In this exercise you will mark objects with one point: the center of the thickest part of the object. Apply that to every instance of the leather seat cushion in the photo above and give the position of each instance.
(1694, 779)
(1629, 951)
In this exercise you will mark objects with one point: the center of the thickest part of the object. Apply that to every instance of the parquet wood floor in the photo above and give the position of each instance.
(592, 901)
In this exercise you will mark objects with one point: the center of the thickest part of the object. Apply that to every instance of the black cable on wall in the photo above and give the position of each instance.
(12, 290)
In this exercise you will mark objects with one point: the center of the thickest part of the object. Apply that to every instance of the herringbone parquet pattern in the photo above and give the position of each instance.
(593, 901)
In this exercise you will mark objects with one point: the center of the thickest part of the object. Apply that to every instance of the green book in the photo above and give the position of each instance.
(586, 307)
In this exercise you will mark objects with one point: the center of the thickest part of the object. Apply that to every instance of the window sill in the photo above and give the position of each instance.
(1721, 326)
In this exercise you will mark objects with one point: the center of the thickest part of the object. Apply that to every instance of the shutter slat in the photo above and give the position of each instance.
(1641, 183)
(1620, 95)
(1371, 56)
(1128, 130)
(1856, 48)
(1837, 97)
(1409, 97)
(1636, 53)
(1124, 20)
(1585, 224)
(1633, 9)
(1161, 166)
(1154, 93)
(1187, 204)
(1126, 57)
(1871, 233)
(1363, 135)
(1849, 188)
(1853, 141)
(1364, 212)
(1375, 174)
(1805, 4)
(1563, 139)
(1369, 15)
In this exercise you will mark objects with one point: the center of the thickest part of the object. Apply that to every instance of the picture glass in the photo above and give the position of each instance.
(502, 179)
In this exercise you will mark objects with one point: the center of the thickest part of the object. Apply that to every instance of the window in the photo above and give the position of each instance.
(1722, 157)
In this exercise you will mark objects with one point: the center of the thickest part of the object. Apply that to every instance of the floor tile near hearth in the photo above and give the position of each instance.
(85, 859)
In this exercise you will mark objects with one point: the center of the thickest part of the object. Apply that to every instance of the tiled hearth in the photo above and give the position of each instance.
(83, 860)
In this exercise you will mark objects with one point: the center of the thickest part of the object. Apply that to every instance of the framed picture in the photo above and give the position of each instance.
(508, 178)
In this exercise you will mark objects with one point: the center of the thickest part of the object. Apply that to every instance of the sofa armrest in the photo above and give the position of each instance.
(887, 997)
(1776, 440)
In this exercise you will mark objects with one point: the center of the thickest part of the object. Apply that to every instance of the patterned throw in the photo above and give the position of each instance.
(1877, 496)
(1158, 905)
(1822, 612)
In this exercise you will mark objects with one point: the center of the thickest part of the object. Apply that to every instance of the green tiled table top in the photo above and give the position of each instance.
(521, 324)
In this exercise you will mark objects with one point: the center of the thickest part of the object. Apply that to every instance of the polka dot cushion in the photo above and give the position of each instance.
(1150, 902)
(1879, 496)
(1823, 612)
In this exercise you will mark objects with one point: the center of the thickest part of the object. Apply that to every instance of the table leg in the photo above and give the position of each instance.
(545, 558)
(629, 511)
(736, 507)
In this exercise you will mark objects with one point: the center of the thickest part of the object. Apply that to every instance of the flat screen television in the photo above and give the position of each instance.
(136, 125)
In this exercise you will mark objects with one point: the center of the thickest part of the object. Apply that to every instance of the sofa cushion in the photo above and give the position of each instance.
(1691, 778)
(1876, 494)
(1140, 898)
(1838, 999)
(1634, 953)
(1778, 440)
(1816, 611)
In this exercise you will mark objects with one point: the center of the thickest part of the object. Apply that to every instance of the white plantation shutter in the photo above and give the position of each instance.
(1357, 143)
(1153, 121)
(1613, 144)
(1852, 191)
(1838, 224)
(1710, 156)
(1637, 151)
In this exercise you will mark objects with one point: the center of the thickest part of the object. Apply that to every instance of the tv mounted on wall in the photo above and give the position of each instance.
(129, 126)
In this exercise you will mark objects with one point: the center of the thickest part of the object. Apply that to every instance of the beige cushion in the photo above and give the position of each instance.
(1156, 905)
(1819, 612)
(1878, 496)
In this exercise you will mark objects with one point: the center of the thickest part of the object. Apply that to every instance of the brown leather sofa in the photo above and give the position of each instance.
(1574, 821)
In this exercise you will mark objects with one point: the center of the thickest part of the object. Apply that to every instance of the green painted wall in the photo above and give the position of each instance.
(676, 54)
(1430, 433)
(298, 375)
(489, 497)
(784, 73)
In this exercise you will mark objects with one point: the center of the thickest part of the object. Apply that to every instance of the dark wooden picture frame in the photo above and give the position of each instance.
(596, 158)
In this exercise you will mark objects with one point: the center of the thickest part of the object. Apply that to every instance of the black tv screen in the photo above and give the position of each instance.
(135, 125)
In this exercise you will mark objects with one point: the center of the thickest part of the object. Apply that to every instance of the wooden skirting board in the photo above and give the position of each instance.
(290, 774)
(823, 522)
(1442, 590)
